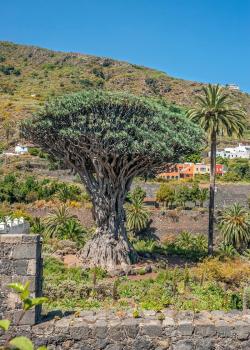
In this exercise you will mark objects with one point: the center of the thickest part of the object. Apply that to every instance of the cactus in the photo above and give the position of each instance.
(246, 298)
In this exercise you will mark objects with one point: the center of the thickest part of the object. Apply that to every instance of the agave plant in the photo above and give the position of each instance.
(234, 224)
(37, 226)
(227, 250)
(56, 220)
(72, 230)
(137, 215)
(185, 239)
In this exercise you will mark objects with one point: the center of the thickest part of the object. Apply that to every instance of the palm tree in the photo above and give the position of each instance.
(202, 196)
(73, 231)
(56, 220)
(234, 224)
(217, 114)
(137, 215)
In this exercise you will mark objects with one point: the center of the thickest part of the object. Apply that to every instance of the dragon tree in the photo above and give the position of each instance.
(109, 138)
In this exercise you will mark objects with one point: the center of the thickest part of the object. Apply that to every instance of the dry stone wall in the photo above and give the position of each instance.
(20, 261)
(168, 330)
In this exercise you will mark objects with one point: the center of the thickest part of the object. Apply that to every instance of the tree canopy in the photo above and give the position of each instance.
(108, 124)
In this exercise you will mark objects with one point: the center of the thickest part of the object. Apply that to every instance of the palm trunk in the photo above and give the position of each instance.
(212, 194)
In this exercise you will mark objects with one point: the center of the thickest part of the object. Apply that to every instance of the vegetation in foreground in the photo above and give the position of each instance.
(213, 284)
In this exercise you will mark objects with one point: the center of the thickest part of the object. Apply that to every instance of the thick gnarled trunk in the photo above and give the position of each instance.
(109, 247)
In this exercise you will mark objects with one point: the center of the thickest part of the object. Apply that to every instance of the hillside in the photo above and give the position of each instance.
(29, 75)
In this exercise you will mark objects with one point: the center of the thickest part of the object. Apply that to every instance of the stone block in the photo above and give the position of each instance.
(168, 321)
(6, 251)
(34, 239)
(205, 330)
(183, 345)
(142, 343)
(152, 328)
(164, 344)
(25, 251)
(116, 332)
(28, 319)
(20, 267)
(79, 331)
(242, 330)
(31, 268)
(224, 329)
(11, 238)
(186, 329)
(204, 344)
(6, 267)
(131, 327)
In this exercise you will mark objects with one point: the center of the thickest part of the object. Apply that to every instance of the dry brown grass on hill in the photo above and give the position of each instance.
(29, 75)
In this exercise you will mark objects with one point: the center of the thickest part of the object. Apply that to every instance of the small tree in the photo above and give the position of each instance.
(183, 194)
(165, 194)
(108, 139)
(194, 193)
(203, 196)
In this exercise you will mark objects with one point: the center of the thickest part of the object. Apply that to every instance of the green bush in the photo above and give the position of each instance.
(14, 188)
(189, 246)
(61, 224)
(33, 151)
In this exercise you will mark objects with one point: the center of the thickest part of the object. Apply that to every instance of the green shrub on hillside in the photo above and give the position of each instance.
(8, 70)
(14, 189)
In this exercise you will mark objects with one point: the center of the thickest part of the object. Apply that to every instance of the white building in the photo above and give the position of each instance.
(14, 226)
(21, 149)
(241, 151)
(233, 87)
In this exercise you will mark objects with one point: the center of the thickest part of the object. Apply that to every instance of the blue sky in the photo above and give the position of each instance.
(202, 40)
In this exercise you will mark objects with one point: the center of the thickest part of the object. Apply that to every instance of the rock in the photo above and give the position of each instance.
(71, 260)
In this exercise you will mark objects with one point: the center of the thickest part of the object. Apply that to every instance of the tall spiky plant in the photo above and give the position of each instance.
(217, 114)
(137, 215)
(234, 224)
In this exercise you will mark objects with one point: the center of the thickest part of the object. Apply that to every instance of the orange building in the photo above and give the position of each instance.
(189, 170)
(179, 171)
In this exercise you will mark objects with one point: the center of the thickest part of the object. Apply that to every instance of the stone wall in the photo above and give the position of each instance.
(168, 330)
(20, 261)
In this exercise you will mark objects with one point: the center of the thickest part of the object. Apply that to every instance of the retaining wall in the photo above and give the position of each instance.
(20, 261)
(120, 331)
